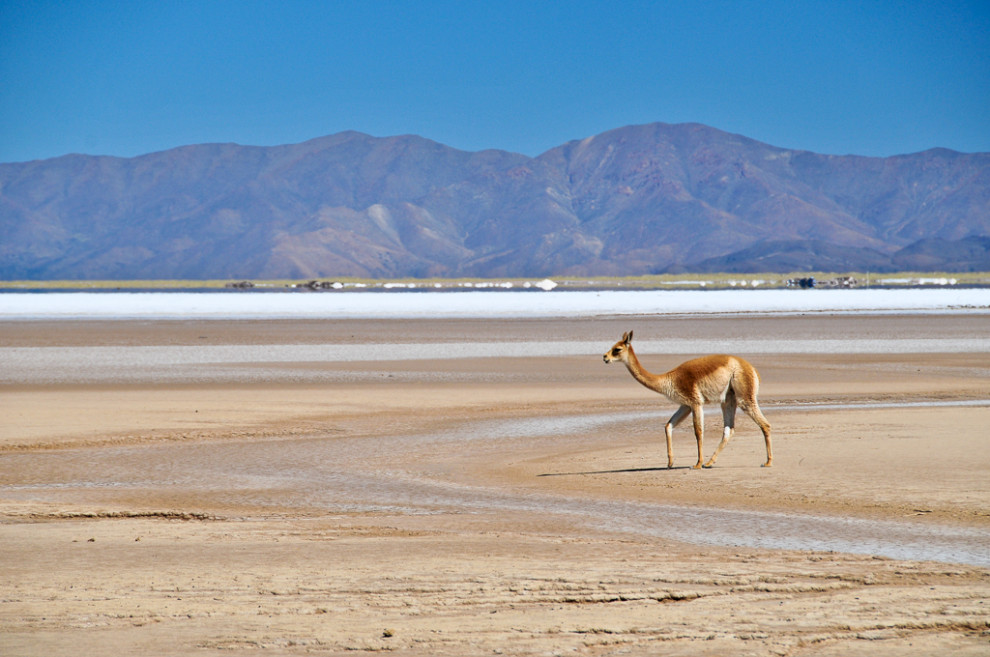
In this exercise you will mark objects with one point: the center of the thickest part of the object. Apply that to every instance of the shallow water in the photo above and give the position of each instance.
(342, 475)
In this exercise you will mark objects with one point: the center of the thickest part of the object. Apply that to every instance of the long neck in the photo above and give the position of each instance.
(648, 379)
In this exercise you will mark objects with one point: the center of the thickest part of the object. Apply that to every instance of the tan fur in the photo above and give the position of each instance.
(729, 380)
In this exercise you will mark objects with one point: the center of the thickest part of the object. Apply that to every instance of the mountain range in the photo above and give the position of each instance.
(644, 199)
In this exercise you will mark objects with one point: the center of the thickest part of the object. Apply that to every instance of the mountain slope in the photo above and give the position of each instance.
(639, 199)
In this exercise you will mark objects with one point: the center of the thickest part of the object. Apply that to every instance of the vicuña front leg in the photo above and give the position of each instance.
(699, 432)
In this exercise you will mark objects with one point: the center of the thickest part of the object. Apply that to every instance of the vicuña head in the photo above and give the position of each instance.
(729, 380)
(620, 350)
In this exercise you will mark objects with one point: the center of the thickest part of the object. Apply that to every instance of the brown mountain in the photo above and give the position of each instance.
(640, 199)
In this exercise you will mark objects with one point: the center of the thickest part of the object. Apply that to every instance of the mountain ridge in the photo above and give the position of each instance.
(644, 199)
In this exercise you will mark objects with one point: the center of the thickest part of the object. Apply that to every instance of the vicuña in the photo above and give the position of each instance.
(729, 380)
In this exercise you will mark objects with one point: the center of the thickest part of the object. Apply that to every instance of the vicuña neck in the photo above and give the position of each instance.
(648, 379)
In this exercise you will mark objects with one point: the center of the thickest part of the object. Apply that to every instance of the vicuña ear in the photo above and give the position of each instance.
(627, 338)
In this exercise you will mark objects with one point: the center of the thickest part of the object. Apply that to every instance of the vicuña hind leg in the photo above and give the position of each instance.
(668, 431)
(753, 410)
(729, 421)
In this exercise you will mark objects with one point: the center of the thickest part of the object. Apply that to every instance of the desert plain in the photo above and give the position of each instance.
(446, 487)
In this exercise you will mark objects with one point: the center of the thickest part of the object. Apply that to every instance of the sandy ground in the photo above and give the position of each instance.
(479, 506)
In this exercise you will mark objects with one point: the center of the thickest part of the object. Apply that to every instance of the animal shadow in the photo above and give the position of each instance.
(622, 471)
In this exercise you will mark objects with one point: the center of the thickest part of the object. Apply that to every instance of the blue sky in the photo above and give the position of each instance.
(131, 77)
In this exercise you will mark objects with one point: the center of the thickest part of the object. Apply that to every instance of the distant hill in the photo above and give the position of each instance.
(641, 199)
